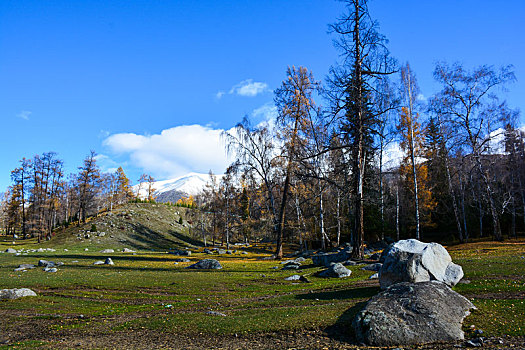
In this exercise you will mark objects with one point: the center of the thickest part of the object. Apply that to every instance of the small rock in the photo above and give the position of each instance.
(100, 262)
(50, 269)
(182, 260)
(293, 278)
(11, 251)
(336, 270)
(215, 313)
(372, 267)
(16, 293)
(127, 250)
(109, 262)
(374, 276)
(106, 251)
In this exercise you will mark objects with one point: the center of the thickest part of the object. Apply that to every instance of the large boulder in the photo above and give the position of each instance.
(16, 293)
(11, 251)
(414, 261)
(412, 313)
(336, 270)
(325, 259)
(207, 264)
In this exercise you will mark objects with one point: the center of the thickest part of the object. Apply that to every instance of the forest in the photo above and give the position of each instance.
(360, 157)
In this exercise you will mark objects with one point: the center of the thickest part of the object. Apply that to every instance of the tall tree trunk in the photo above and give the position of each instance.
(492, 206)
(462, 196)
(397, 212)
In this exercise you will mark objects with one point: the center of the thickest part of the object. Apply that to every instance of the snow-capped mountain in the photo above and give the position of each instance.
(174, 189)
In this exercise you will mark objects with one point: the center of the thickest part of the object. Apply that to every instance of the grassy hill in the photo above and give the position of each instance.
(138, 226)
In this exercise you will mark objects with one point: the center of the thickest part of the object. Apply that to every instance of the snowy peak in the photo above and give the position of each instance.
(188, 185)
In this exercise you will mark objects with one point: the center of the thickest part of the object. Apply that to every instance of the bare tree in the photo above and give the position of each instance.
(470, 105)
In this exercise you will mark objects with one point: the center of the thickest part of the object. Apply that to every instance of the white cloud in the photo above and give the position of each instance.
(24, 115)
(421, 97)
(246, 88)
(174, 152)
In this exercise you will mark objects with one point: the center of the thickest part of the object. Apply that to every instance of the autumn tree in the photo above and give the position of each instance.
(294, 101)
(87, 187)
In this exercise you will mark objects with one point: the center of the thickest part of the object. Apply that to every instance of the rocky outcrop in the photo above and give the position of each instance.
(414, 261)
(206, 264)
(412, 313)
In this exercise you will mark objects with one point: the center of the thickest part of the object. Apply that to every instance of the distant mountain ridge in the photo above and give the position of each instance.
(174, 189)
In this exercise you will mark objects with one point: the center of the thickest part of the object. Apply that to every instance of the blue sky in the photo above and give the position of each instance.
(149, 85)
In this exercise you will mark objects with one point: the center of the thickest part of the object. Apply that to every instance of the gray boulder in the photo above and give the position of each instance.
(372, 267)
(109, 262)
(106, 251)
(325, 259)
(293, 278)
(26, 266)
(45, 263)
(336, 270)
(412, 313)
(50, 269)
(100, 262)
(291, 265)
(414, 261)
(207, 264)
(127, 250)
(11, 251)
(180, 252)
(182, 260)
(16, 293)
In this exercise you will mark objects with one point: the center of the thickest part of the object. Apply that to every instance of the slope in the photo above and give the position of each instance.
(141, 226)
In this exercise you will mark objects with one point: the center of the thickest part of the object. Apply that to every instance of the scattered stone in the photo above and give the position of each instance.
(325, 259)
(182, 260)
(86, 249)
(293, 278)
(127, 250)
(221, 251)
(16, 293)
(374, 276)
(26, 266)
(107, 251)
(66, 250)
(45, 263)
(375, 256)
(180, 252)
(50, 269)
(349, 263)
(100, 262)
(475, 343)
(372, 267)
(215, 313)
(11, 251)
(244, 253)
(109, 262)
(414, 261)
(412, 313)
(208, 264)
(291, 266)
(336, 270)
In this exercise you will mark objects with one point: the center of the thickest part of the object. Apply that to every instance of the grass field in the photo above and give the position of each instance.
(147, 301)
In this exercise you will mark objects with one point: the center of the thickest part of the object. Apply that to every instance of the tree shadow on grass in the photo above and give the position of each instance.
(342, 329)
